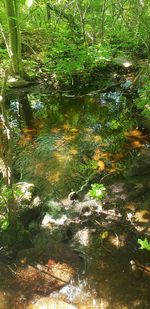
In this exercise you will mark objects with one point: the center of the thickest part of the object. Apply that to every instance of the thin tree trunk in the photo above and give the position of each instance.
(82, 19)
(7, 155)
(103, 20)
(12, 8)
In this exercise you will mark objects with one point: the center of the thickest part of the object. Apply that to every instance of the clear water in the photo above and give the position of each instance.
(59, 141)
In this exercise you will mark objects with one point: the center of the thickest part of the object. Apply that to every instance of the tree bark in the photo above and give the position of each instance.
(102, 30)
(12, 11)
(7, 155)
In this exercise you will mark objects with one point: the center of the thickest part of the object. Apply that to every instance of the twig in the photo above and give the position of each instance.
(26, 44)
(40, 268)
(13, 272)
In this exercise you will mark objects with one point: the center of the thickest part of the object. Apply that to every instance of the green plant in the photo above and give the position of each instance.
(6, 193)
(4, 223)
(65, 59)
(98, 191)
(143, 102)
(13, 236)
(145, 244)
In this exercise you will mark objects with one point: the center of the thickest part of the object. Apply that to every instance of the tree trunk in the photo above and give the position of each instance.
(7, 155)
(102, 30)
(12, 11)
(82, 13)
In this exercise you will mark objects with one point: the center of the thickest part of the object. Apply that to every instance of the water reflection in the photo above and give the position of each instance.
(63, 140)
(26, 110)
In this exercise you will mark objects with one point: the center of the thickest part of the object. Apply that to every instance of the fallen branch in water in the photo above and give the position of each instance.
(105, 89)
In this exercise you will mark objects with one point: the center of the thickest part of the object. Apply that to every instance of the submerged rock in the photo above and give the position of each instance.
(83, 237)
(51, 303)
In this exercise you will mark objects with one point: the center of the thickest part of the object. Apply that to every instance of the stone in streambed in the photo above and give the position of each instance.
(51, 303)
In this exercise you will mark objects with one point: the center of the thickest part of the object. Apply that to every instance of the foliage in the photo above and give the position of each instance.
(98, 191)
(67, 59)
(6, 193)
(71, 38)
(143, 102)
(145, 244)
(13, 236)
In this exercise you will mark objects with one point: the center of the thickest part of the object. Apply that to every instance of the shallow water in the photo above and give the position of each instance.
(60, 141)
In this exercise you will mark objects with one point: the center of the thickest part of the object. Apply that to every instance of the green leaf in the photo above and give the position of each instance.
(5, 224)
(97, 191)
(104, 235)
(145, 244)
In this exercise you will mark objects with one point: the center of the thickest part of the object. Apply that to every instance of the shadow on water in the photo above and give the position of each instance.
(59, 142)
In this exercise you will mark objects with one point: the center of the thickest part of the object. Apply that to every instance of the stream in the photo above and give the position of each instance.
(60, 141)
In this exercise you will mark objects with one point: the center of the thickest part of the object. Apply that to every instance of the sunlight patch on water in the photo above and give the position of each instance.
(79, 295)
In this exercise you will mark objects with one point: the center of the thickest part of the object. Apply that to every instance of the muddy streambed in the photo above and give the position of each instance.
(81, 249)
